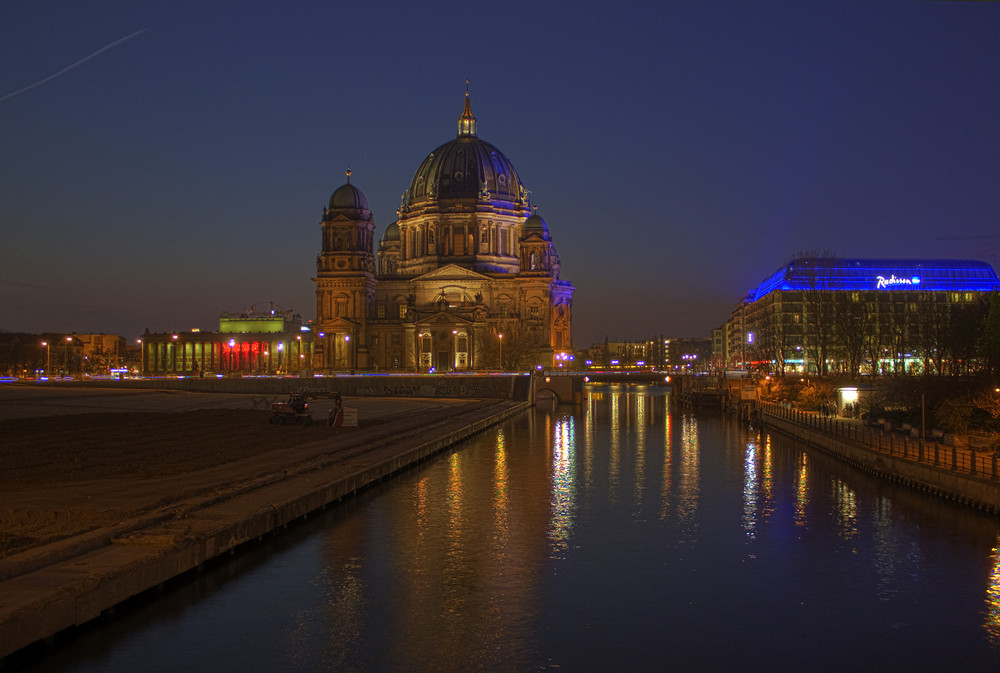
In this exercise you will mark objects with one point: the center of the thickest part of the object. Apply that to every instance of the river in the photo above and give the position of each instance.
(619, 536)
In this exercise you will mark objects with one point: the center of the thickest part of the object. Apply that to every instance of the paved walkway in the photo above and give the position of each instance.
(203, 514)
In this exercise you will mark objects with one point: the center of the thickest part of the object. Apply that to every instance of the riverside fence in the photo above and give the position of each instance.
(967, 461)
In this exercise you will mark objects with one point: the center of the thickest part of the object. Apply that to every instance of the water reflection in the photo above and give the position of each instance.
(801, 489)
(501, 493)
(666, 476)
(750, 490)
(563, 485)
(639, 479)
(689, 487)
(846, 510)
(993, 596)
(614, 466)
(569, 540)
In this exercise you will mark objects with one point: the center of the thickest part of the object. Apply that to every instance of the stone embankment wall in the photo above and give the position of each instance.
(496, 386)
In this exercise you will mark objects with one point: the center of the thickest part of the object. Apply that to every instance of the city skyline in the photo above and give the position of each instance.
(169, 162)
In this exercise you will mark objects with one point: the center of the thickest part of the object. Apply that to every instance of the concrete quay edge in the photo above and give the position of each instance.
(976, 492)
(112, 566)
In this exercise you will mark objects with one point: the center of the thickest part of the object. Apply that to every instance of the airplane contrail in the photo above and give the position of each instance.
(71, 66)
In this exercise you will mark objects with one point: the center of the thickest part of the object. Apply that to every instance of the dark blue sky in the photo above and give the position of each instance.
(679, 151)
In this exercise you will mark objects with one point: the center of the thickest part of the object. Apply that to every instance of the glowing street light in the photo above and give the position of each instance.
(48, 357)
(500, 337)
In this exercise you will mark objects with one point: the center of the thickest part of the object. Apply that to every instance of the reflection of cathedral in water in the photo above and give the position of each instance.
(467, 277)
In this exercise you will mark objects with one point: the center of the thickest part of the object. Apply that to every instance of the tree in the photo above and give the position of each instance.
(850, 325)
(988, 399)
(818, 311)
(989, 344)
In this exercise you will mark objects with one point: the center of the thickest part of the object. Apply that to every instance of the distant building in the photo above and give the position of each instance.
(466, 278)
(823, 315)
(55, 353)
(692, 355)
(271, 341)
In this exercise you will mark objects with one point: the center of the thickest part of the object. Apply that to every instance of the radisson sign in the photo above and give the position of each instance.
(883, 283)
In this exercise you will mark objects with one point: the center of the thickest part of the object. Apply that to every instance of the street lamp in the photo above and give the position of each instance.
(142, 359)
(500, 337)
(48, 357)
(66, 355)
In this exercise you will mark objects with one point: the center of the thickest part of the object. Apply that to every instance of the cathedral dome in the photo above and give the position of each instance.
(536, 225)
(391, 233)
(466, 168)
(349, 196)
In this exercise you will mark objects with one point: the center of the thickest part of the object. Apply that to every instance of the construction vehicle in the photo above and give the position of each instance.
(295, 410)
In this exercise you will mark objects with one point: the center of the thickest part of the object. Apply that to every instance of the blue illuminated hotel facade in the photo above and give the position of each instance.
(830, 315)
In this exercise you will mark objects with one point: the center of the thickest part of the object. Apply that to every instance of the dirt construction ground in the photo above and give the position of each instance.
(74, 459)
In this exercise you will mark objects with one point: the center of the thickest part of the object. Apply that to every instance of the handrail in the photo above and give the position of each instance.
(982, 464)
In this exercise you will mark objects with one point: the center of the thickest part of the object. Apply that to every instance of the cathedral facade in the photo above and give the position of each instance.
(466, 278)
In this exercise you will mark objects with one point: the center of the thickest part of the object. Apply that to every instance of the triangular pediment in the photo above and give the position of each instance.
(338, 324)
(442, 318)
(452, 272)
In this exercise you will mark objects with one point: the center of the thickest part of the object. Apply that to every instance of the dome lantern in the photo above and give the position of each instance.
(467, 123)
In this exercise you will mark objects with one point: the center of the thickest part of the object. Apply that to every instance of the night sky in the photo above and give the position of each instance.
(163, 162)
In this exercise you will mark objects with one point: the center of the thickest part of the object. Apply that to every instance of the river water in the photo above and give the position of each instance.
(615, 537)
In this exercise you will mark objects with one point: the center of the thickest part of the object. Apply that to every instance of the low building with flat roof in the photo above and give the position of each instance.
(254, 342)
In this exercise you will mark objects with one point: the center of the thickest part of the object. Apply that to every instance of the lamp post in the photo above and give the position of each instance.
(66, 355)
(142, 359)
(500, 337)
(48, 357)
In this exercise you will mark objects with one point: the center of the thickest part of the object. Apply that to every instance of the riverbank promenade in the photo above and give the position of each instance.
(956, 473)
(107, 493)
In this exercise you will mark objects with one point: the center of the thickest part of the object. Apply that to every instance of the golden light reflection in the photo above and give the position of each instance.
(688, 488)
(993, 597)
(641, 402)
(501, 489)
(614, 466)
(801, 490)
(453, 496)
(668, 459)
(420, 511)
(563, 484)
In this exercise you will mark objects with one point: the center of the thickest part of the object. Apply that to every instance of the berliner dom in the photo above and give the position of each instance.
(466, 278)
